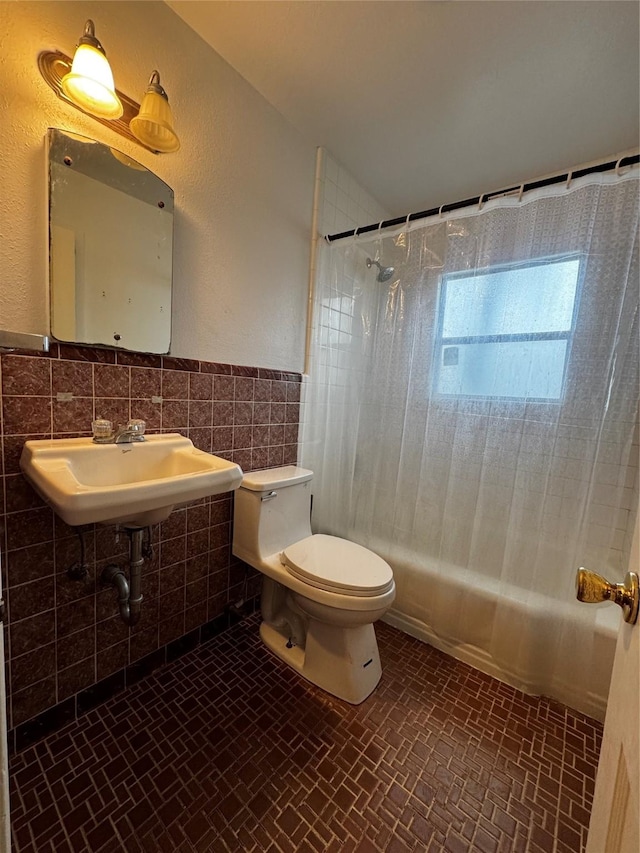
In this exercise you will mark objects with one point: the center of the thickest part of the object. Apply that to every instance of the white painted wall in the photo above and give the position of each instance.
(243, 181)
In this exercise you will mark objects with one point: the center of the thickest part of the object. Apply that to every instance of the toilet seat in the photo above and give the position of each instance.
(337, 565)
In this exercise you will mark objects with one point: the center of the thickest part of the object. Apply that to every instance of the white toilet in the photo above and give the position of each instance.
(320, 594)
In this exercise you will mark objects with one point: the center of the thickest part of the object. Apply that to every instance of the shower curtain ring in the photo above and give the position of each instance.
(440, 211)
(618, 172)
(480, 201)
(520, 194)
(407, 223)
(569, 179)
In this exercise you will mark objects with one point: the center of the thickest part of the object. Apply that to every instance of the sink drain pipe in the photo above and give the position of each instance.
(129, 593)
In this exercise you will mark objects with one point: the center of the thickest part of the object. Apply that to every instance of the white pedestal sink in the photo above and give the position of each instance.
(134, 484)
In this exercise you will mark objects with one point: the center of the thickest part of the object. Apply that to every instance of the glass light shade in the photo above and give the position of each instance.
(90, 84)
(154, 124)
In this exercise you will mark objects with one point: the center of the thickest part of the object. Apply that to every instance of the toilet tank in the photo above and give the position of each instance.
(272, 510)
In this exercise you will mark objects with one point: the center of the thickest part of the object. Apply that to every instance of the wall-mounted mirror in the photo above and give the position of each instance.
(110, 247)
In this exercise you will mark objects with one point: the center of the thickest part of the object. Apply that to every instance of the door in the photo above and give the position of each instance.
(5, 843)
(615, 817)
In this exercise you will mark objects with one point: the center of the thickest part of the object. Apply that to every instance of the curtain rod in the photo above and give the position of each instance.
(628, 160)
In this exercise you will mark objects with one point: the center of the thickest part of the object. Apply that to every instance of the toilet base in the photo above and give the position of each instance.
(343, 661)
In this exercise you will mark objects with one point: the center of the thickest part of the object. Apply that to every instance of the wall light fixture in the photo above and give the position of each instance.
(87, 84)
(153, 125)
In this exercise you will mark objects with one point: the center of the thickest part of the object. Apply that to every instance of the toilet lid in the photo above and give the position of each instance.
(337, 565)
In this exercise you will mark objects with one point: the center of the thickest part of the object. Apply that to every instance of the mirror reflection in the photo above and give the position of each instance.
(110, 247)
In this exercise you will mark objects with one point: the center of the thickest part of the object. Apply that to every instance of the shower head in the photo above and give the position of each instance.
(385, 272)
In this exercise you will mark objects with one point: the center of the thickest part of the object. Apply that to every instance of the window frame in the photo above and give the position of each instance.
(441, 342)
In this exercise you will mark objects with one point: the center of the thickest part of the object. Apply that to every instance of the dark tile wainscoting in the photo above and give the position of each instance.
(64, 637)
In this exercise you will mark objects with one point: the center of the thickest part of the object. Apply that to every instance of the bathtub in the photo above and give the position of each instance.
(540, 645)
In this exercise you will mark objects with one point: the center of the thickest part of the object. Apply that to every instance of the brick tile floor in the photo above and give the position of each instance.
(228, 750)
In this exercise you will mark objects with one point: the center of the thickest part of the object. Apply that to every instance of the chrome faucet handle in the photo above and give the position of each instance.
(102, 431)
(137, 426)
(133, 431)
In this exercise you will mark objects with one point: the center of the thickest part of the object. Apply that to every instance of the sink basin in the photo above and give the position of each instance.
(135, 484)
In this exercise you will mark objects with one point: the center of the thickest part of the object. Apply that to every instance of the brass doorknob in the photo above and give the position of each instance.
(592, 588)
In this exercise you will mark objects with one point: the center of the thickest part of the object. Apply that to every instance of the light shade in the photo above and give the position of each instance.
(90, 84)
(153, 125)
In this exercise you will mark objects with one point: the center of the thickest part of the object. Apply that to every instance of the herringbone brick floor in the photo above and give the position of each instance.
(228, 750)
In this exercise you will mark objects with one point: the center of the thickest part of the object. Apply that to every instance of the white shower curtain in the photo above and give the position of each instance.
(472, 420)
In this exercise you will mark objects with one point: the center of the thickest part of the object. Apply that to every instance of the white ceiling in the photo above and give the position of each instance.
(430, 102)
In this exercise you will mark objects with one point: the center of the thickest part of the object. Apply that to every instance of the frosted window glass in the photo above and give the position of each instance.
(506, 332)
(516, 369)
(535, 298)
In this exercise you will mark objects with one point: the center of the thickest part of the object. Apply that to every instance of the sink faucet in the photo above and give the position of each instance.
(133, 431)
(103, 432)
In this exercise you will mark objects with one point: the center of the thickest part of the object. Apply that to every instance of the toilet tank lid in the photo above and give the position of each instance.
(275, 478)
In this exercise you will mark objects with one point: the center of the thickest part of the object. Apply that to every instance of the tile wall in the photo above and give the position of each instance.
(342, 203)
(65, 635)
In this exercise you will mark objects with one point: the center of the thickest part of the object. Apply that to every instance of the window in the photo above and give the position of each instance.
(505, 332)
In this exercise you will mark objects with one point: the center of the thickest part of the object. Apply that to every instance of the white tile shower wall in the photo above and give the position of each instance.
(343, 203)
(340, 204)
